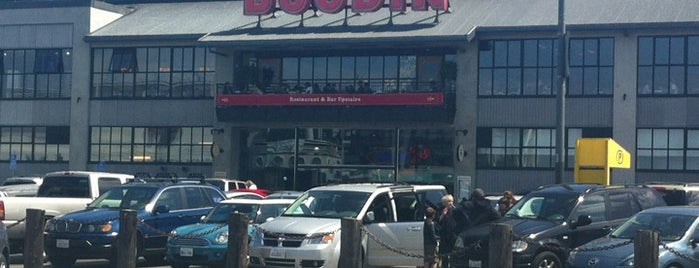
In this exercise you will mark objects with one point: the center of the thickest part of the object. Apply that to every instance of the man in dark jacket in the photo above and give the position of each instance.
(477, 210)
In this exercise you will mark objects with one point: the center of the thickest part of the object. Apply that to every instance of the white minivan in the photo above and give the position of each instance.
(307, 234)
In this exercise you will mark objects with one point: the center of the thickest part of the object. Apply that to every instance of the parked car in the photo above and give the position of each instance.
(26, 190)
(678, 229)
(227, 185)
(547, 223)
(59, 193)
(161, 207)
(244, 195)
(36, 180)
(307, 233)
(284, 195)
(677, 193)
(205, 243)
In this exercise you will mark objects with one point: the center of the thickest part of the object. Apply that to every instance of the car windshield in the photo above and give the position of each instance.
(328, 204)
(671, 227)
(544, 206)
(221, 212)
(270, 211)
(125, 198)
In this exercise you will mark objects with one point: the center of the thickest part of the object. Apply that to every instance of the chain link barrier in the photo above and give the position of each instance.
(16, 223)
(188, 236)
(389, 247)
(679, 254)
(308, 236)
(603, 248)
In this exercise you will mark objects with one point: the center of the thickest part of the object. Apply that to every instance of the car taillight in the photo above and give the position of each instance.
(2, 211)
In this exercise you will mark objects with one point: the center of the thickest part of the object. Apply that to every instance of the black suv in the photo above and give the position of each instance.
(160, 206)
(547, 223)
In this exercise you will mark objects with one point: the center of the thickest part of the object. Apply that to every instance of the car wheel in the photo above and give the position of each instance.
(62, 261)
(547, 259)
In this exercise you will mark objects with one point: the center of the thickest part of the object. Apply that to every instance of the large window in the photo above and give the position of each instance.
(516, 147)
(151, 144)
(331, 155)
(35, 144)
(591, 67)
(668, 65)
(158, 72)
(344, 74)
(517, 68)
(36, 73)
(528, 67)
(664, 149)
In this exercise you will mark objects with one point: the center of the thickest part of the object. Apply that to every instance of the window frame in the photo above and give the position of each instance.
(654, 64)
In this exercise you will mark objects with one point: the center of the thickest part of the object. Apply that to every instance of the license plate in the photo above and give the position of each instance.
(186, 252)
(62, 243)
(277, 253)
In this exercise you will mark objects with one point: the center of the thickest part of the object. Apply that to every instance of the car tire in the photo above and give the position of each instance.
(547, 259)
(62, 261)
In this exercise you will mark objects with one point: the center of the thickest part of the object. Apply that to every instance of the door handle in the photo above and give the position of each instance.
(414, 229)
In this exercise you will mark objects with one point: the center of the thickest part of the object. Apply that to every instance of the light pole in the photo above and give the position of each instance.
(561, 94)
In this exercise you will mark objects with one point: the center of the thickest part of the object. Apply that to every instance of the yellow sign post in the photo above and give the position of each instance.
(594, 157)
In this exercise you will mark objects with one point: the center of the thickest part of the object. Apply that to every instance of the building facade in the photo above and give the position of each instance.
(464, 97)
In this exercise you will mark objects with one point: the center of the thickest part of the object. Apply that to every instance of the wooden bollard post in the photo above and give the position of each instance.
(645, 249)
(500, 246)
(34, 239)
(350, 243)
(237, 253)
(126, 239)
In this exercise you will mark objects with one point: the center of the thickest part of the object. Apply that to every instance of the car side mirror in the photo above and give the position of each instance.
(160, 209)
(583, 220)
(369, 217)
(694, 240)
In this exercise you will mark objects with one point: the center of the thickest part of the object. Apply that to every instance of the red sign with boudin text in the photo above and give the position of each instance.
(298, 7)
(330, 99)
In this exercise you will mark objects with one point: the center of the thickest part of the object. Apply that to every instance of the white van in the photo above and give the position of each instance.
(307, 234)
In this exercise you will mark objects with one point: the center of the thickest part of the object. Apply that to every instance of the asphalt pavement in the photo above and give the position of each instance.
(16, 261)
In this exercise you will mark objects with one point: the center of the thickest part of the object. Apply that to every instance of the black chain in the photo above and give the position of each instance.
(679, 254)
(309, 236)
(16, 223)
(102, 221)
(389, 247)
(603, 248)
(200, 235)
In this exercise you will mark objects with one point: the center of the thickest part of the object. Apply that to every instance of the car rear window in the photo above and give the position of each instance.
(65, 186)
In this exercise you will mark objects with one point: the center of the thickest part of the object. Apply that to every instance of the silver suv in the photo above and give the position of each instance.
(307, 234)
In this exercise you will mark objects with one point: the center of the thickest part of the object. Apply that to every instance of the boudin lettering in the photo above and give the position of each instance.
(298, 7)
(331, 6)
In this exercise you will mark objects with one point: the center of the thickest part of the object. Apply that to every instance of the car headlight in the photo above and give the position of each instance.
(326, 238)
(459, 243)
(96, 228)
(50, 226)
(222, 238)
(256, 236)
(519, 246)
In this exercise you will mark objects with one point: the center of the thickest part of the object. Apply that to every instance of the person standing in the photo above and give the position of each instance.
(430, 237)
(251, 185)
(447, 229)
(478, 210)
